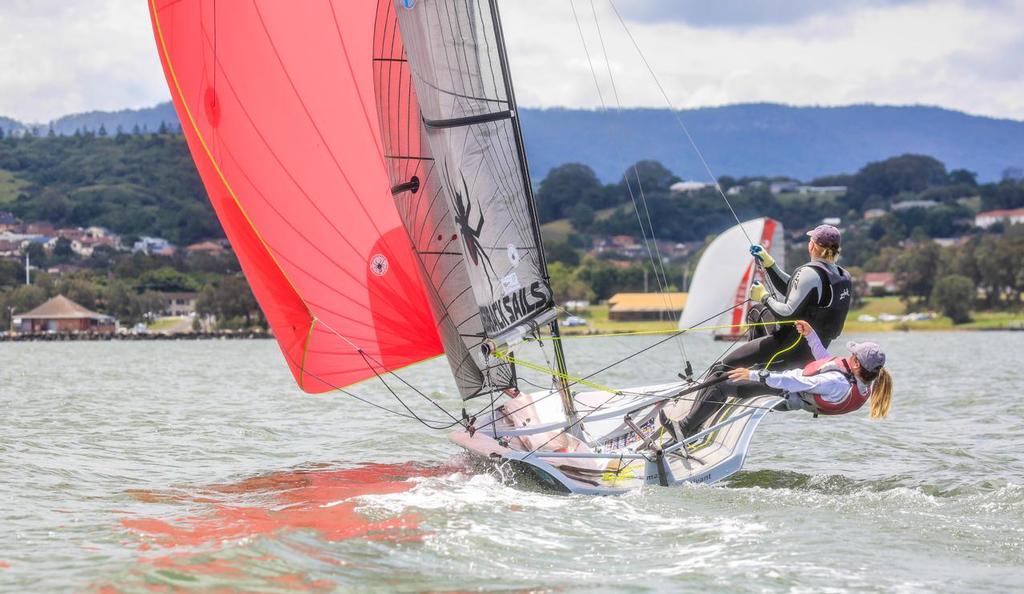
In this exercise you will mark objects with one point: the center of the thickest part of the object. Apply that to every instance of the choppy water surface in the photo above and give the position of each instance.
(199, 467)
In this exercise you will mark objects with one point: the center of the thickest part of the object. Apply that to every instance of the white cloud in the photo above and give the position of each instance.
(59, 57)
(952, 54)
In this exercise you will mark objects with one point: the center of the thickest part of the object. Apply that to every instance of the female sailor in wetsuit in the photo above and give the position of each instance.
(818, 292)
(828, 385)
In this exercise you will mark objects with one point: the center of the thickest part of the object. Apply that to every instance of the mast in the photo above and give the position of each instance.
(568, 405)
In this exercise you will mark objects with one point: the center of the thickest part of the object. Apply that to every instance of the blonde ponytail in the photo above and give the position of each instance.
(881, 394)
(830, 254)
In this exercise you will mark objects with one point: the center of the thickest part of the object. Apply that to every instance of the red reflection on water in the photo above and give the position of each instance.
(319, 500)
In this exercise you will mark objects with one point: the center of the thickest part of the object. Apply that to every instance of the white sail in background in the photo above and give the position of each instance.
(724, 274)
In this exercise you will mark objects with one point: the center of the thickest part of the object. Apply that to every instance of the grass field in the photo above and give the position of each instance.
(875, 306)
(598, 322)
(10, 187)
(171, 324)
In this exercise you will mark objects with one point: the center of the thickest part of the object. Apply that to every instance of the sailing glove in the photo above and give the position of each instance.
(757, 292)
(762, 256)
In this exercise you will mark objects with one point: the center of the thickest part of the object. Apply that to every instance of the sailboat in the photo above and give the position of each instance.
(367, 164)
(725, 272)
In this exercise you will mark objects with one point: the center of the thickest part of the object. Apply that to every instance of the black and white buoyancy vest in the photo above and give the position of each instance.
(829, 315)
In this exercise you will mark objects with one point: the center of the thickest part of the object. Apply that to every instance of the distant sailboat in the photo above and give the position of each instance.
(367, 164)
(724, 274)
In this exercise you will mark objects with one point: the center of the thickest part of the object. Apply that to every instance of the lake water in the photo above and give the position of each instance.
(199, 467)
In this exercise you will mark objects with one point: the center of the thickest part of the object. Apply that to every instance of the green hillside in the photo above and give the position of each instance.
(10, 187)
(143, 184)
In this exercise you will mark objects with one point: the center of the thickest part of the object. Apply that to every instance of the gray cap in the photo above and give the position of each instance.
(869, 354)
(825, 236)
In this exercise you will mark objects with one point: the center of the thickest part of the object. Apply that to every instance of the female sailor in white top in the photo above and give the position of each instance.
(828, 385)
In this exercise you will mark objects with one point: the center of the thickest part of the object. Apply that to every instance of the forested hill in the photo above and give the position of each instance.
(148, 119)
(738, 140)
(137, 121)
(770, 139)
(134, 184)
(8, 125)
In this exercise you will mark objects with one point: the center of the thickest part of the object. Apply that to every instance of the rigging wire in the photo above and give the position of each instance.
(663, 332)
(372, 365)
(679, 121)
(509, 358)
(618, 104)
(620, 361)
(579, 420)
(692, 141)
(429, 423)
(657, 265)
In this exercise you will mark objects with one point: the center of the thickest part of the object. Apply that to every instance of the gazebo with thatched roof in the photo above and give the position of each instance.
(61, 314)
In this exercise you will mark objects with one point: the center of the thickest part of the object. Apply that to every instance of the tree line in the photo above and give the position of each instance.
(642, 203)
(986, 272)
(131, 287)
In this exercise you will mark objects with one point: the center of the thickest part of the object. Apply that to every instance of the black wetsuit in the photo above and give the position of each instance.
(819, 293)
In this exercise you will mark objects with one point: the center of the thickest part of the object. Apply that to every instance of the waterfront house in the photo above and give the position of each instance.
(909, 204)
(153, 245)
(837, 190)
(646, 306)
(881, 283)
(991, 217)
(685, 187)
(179, 303)
(205, 247)
(61, 314)
(784, 187)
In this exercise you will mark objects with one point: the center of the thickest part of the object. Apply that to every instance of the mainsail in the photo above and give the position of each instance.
(275, 100)
(724, 274)
(468, 115)
(419, 193)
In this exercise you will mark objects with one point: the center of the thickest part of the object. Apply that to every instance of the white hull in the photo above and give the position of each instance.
(529, 436)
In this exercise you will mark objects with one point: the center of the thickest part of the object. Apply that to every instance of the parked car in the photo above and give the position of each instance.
(574, 321)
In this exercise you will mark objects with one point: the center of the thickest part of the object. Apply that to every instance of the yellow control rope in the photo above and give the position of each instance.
(537, 367)
(508, 358)
(785, 350)
(656, 332)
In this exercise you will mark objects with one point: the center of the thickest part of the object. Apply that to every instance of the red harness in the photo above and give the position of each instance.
(853, 399)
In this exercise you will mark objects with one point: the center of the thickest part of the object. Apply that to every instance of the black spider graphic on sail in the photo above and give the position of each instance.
(470, 235)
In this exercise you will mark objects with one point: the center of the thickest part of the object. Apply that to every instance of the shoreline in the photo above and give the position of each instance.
(109, 336)
(604, 329)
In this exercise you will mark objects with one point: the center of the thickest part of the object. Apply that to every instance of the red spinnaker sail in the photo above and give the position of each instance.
(276, 100)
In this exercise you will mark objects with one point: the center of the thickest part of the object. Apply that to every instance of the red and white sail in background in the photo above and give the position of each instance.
(724, 275)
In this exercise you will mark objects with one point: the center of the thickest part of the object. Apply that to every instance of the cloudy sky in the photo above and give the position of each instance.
(66, 56)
